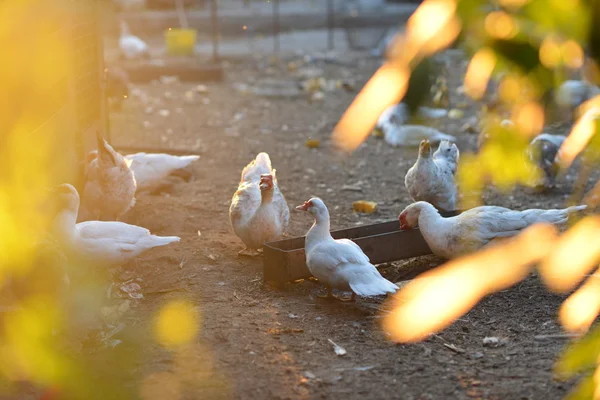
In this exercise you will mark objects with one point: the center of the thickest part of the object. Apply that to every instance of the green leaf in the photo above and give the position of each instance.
(522, 54)
(579, 356)
(419, 85)
(584, 389)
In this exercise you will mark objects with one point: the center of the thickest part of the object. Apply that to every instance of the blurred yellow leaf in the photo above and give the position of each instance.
(177, 324)
(580, 135)
(579, 356)
(479, 72)
(579, 311)
(501, 25)
(574, 255)
(385, 88)
(437, 298)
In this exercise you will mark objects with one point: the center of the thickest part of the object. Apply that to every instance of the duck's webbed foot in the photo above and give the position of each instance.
(249, 253)
(350, 299)
(328, 296)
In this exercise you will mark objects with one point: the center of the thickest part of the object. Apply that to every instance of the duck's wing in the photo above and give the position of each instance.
(118, 231)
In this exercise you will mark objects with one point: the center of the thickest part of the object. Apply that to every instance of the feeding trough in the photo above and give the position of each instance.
(285, 260)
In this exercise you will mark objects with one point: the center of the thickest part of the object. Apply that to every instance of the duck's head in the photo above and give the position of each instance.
(409, 217)
(91, 156)
(105, 152)
(425, 149)
(66, 197)
(315, 207)
(449, 150)
(266, 182)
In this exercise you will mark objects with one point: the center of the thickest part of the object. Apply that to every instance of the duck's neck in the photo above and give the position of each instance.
(424, 159)
(64, 227)
(430, 219)
(266, 196)
(318, 232)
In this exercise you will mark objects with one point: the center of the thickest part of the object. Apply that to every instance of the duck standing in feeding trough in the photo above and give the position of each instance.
(339, 264)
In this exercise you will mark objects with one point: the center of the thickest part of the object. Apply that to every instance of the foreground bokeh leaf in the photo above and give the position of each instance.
(575, 254)
(437, 298)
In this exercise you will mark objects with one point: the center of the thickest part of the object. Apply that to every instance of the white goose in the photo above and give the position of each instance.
(131, 46)
(99, 242)
(341, 263)
(475, 228)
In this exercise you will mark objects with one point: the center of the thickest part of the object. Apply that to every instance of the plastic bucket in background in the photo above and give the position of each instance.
(181, 42)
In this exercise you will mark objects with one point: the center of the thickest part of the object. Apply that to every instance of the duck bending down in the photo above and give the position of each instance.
(150, 169)
(258, 213)
(473, 229)
(431, 179)
(339, 264)
(106, 243)
(110, 186)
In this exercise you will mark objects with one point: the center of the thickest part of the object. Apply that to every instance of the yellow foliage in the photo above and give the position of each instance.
(176, 324)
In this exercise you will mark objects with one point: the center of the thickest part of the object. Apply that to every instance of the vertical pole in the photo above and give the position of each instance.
(330, 24)
(276, 26)
(214, 20)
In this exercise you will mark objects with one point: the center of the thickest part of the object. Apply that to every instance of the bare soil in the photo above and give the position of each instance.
(260, 343)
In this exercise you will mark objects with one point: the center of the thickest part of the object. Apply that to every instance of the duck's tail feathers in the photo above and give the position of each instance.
(260, 165)
(184, 161)
(164, 240)
(373, 288)
(573, 209)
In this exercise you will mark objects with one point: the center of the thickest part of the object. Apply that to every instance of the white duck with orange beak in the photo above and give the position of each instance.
(339, 264)
(258, 213)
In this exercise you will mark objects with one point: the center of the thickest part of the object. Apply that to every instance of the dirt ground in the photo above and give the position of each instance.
(259, 343)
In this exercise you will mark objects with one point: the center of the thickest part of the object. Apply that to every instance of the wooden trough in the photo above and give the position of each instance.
(285, 260)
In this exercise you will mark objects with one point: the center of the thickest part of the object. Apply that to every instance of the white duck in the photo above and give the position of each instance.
(98, 242)
(131, 46)
(392, 123)
(475, 228)
(431, 179)
(110, 186)
(398, 114)
(339, 264)
(151, 169)
(258, 211)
